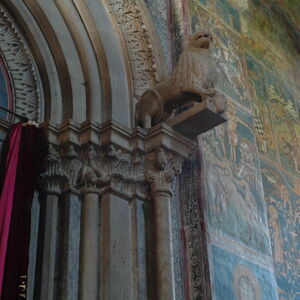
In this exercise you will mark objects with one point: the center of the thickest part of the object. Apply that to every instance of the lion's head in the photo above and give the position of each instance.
(201, 40)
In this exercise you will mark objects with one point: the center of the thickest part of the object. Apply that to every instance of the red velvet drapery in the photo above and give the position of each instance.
(29, 150)
(7, 195)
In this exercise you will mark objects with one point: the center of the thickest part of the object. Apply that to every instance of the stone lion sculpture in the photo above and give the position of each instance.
(193, 79)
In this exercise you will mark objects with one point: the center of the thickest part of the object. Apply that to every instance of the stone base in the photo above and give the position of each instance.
(196, 120)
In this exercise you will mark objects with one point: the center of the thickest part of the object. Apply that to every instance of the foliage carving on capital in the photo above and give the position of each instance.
(54, 177)
(161, 169)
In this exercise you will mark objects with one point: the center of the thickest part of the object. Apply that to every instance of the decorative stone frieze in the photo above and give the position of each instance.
(129, 19)
(192, 222)
(27, 94)
(96, 168)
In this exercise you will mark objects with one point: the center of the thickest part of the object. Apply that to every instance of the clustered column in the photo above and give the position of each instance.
(53, 179)
(160, 172)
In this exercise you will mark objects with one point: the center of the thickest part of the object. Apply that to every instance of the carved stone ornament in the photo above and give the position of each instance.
(192, 222)
(126, 171)
(55, 177)
(193, 80)
(161, 168)
(73, 166)
(92, 176)
(15, 52)
(130, 21)
(95, 169)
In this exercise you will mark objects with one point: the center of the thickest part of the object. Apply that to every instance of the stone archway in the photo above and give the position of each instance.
(25, 80)
(95, 59)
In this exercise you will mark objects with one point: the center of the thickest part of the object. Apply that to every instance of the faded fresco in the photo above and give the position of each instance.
(238, 279)
(283, 200)
(228, 54)
(252, 163)
(236, 204)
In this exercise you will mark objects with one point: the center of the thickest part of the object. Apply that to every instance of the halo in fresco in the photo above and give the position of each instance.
(245, 284)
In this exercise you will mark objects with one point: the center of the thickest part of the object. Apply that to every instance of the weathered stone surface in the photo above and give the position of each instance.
(90, 245)
(71, 246)
(116, 248)
(196, 120)
(193, 79)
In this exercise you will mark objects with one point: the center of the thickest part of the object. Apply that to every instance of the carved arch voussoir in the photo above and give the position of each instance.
(20, 65)
(143, 49)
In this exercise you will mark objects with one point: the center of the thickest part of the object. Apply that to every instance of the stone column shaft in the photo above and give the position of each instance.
(53, 181)
(164, 250)
(49, 249)
(117, 280)
(161, 170)
(71, 249)
(90, 245)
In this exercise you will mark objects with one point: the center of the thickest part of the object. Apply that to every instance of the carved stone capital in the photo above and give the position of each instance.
(72, 165)
(90, 190)
(102, 169)
(161, 168)
(92, 177)
(125, 170)
(55, 177)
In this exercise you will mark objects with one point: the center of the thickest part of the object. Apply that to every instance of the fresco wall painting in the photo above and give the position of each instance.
(256, 64)
(233, 181)
(283, 200)
(237, 278)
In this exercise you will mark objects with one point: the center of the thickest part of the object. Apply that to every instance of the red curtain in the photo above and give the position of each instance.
(27, 150)
(7, 195)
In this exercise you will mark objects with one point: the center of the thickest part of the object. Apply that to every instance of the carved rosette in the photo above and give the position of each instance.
(161, 169)
(19, 61)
